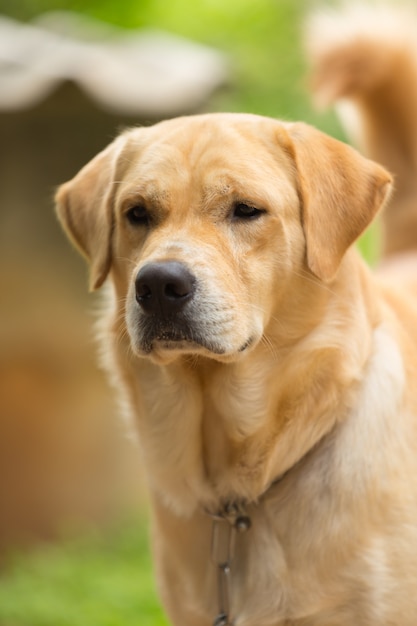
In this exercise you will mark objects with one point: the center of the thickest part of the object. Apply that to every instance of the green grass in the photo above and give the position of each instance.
(98, 579)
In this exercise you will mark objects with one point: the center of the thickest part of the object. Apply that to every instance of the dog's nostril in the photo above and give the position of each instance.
(179, 289)
(143, 291)
(163, 288)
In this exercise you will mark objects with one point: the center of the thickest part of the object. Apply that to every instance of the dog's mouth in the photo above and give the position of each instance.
(158, 337)
(172, 334)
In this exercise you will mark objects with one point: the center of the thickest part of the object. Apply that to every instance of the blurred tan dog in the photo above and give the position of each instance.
(272, 377)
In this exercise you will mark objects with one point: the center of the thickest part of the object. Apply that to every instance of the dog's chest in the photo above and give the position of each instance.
(190, 437)
(191, 431)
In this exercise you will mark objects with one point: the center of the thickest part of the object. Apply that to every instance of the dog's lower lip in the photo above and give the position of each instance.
(179, 344)
(187, 344)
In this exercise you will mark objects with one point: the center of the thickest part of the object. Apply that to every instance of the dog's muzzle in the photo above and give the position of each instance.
(176, 312)
(165, 293)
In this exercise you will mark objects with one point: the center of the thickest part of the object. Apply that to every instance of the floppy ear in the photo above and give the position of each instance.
(340, 191)
(84, 208)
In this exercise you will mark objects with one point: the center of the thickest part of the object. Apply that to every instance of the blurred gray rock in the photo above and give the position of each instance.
(144, 73)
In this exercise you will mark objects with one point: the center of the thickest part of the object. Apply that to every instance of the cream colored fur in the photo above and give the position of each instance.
(301, 366)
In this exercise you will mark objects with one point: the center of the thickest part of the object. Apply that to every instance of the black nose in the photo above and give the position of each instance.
(163, 288)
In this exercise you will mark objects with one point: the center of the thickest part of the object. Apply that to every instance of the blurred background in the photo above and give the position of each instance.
(73, 513)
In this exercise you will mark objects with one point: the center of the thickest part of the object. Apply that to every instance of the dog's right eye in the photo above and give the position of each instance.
(243, 211)
(138, 216)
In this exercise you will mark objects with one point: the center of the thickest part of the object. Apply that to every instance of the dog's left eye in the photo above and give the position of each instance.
(138, 215)
(246, 211)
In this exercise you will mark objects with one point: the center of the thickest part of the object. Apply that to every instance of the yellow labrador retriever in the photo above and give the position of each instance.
(272, 377)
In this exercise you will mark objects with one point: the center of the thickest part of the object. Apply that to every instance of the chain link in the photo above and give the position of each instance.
(226, 523)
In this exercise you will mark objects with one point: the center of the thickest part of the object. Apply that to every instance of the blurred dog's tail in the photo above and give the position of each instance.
(364, 59)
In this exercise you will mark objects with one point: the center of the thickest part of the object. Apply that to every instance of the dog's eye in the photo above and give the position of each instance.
(245, 211)
(138, 215)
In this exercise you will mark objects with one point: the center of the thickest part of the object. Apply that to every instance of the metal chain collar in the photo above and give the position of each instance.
(231, 519)
(227, 521)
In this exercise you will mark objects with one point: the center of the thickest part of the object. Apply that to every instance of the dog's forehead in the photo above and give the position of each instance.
(216, 152)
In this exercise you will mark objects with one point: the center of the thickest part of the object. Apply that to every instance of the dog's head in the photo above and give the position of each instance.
(206, 223)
